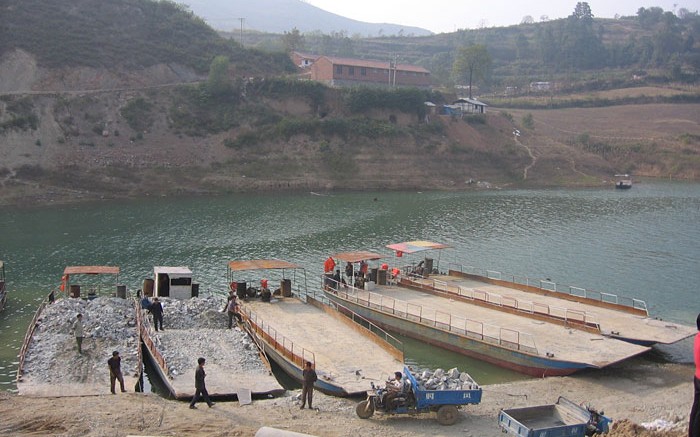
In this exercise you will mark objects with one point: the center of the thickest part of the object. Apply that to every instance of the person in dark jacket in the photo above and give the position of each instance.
(200, 388)
(115, 371)
(307, 388)
(156, 309)
(694, 425)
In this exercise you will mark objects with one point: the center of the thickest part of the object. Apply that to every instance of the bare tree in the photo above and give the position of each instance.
(474, 62)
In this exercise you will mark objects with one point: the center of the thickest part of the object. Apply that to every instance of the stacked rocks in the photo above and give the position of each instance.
(197, 328)
(441, 380)
(109, 325)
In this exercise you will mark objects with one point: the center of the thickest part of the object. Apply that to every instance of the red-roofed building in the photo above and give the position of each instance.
(350, 72)
(303, 60)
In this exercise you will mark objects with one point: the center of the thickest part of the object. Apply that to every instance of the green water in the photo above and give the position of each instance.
(643, 242)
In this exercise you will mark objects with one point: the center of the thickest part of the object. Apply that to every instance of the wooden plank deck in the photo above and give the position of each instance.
(612, 322)
(343, 355)
(564, 343)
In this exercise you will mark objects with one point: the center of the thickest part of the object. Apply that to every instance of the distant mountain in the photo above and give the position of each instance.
(278, 16)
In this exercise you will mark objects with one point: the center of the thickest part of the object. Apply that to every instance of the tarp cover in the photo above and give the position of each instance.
(91, 270)
(261, 264)
(416, 246)
(354, 257)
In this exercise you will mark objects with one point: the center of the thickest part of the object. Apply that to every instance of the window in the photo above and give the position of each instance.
(339, 69)
(180, 281)
(363, 71)
(351, 71)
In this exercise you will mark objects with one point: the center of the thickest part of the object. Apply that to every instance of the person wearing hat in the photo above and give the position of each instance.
(115, 371)
(200, 388)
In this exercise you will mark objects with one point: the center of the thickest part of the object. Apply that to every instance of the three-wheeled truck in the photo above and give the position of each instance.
(416, 400)
(563, 419)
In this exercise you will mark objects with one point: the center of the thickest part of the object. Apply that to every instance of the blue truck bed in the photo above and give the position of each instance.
(563, 419)
(428, 398)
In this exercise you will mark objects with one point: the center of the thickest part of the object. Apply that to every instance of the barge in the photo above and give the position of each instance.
(294, 327)
(49, 361)
(508, 340)
(193, 327)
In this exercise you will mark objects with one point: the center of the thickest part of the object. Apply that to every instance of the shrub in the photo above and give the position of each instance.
(137, 113)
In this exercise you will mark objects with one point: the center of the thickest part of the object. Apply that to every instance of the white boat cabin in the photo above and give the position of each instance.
(174, 282)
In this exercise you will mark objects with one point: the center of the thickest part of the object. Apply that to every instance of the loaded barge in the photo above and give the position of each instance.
(293, 327)
(49, 361)
(195, 327)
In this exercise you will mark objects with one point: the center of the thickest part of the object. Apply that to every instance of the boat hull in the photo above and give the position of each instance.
(518, 361)
(292, 369)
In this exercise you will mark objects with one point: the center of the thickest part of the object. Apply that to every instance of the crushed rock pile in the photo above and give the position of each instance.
(441, 380)
(197, 327)
(109, 325)
(627, 428)
(198, 312)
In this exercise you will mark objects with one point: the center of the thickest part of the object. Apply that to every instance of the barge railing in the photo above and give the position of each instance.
(441, 320)
(550, 286)
(28, 336)
(286, 347)
(566, 315)
(143, 323)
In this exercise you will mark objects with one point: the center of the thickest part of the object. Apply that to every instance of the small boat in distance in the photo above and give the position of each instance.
(624, 181)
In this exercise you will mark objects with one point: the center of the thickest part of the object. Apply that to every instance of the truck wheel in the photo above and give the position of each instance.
(447, 415)
(364, 409)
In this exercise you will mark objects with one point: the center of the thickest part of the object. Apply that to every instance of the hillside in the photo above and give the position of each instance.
(278, 16)
(92, 44)
(94, 112)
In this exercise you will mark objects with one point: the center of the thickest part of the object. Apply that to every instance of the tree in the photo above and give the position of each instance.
(474, 62)
(292, 40)
(218, 81)
(527, 19)
(582, 11)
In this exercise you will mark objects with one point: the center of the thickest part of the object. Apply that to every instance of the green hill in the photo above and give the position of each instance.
(131, 34)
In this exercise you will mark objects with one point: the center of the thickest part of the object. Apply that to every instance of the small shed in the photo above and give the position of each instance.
(174, 282)
(470, 106)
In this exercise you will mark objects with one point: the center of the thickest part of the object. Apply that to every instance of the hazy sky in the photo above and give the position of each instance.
(450, 15)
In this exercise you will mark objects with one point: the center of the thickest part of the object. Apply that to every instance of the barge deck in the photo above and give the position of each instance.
(529, 346)
(611, 319)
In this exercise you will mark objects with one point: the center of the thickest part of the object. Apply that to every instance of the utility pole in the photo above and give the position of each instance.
(241, 20)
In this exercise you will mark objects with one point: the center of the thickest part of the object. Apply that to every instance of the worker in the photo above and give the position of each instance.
(395, 387)
(329, 265)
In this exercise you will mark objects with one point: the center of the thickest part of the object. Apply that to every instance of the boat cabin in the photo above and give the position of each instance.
(174, 282)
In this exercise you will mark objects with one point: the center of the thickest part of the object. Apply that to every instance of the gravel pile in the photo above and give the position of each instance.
(109, 325)
(197, 327)
(198, 312)
(441, 380)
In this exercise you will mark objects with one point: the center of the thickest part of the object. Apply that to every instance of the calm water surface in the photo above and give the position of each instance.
(643, 243)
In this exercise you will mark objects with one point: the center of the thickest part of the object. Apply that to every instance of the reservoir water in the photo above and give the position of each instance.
(642, 243)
